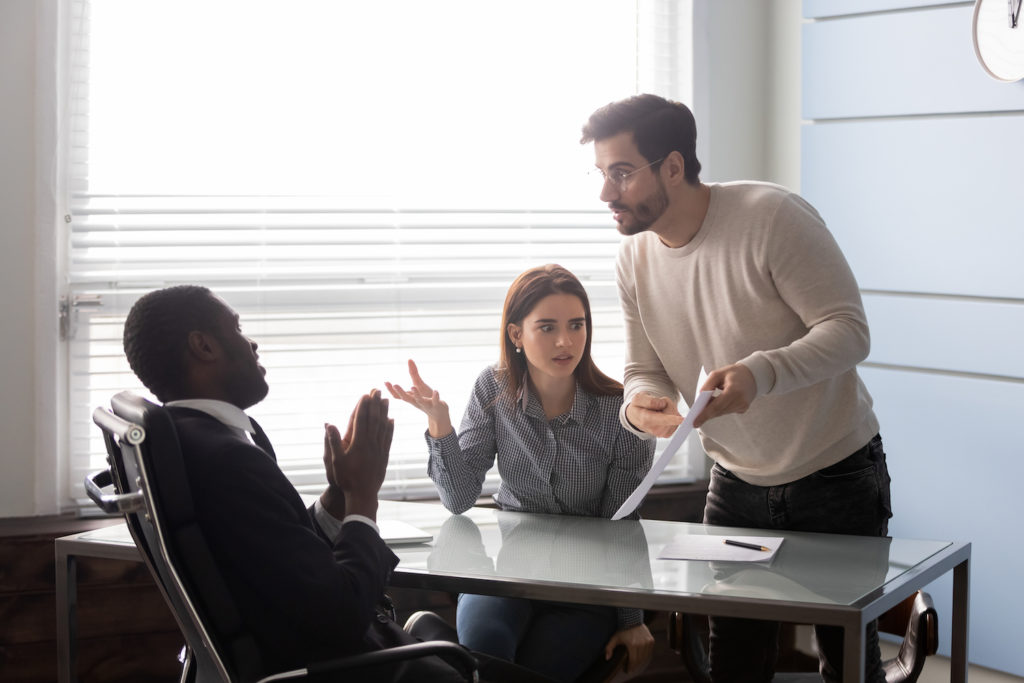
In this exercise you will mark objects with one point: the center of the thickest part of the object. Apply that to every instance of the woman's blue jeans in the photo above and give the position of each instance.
(850, 497)
(559, 640)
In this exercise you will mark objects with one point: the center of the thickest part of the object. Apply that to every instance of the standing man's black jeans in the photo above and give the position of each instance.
(850, 497)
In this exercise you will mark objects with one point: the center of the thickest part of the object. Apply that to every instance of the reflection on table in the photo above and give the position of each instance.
(577, 551)
(547, 548)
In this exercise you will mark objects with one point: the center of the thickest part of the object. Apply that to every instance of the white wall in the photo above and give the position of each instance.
(782, 153)
(17, 257)
(30, 420)
(747, 90)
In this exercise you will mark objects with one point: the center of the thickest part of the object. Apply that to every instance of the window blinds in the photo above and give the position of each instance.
(351, 230)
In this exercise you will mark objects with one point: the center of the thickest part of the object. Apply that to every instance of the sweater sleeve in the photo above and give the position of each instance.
(813, 278)
(644, 370)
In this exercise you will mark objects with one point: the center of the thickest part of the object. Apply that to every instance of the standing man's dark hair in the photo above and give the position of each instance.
(156, 334)
(659, 127)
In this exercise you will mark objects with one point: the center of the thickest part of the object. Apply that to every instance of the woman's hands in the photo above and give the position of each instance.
(420, 395)
(639, 644)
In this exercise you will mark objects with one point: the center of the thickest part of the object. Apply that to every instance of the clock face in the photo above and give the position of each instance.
(999, 38)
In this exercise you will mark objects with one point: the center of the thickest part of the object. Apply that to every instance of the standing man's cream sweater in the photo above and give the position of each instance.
(762, 283)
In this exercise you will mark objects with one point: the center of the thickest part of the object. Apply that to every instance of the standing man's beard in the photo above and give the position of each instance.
(644, 213)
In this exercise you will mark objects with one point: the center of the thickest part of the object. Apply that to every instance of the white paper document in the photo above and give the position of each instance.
(397, 532)
(715, 549)
(682, 431)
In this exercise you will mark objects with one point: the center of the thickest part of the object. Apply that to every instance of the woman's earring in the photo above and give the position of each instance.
(519, 349)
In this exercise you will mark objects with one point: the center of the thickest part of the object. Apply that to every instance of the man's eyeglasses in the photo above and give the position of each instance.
(620, 178)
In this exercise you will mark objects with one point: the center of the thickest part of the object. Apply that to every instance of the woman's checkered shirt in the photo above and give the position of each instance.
(580, 463)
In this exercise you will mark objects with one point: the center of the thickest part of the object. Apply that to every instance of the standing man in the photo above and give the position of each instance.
(743, 279)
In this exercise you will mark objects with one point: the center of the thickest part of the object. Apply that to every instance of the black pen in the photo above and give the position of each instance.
(741, 544)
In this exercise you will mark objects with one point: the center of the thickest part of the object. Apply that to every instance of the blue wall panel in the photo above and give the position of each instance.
(829, 8)
(915, 159)
(955, 461)
(923, 205)
(916, 62)
(960, 335)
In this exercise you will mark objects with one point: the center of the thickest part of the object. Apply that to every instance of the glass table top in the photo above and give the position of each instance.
(808, 568)
(484, 542)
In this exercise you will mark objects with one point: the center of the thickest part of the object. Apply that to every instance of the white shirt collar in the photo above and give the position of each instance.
(227, 413)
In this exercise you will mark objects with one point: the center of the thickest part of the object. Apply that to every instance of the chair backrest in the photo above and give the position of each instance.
(147, 469)
(917, 621)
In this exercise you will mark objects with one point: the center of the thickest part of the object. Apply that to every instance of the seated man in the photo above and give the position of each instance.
(310, 587)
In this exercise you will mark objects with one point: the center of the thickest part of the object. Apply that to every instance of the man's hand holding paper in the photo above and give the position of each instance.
(700, 401)
(738, 389)
(655, 415)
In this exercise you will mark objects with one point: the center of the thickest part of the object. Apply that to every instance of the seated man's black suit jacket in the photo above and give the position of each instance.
(303, 599)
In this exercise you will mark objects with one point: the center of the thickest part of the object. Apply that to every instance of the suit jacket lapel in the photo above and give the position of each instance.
(261, 440)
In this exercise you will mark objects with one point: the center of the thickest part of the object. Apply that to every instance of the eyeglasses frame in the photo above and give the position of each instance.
(623, 182)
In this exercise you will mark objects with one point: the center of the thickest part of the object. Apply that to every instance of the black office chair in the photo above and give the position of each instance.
(915, 619)
(147, 472)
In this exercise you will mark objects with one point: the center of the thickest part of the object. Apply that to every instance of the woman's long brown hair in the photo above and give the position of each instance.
(523, 296)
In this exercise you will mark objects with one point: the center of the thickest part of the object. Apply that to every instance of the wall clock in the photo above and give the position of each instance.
(999, 38)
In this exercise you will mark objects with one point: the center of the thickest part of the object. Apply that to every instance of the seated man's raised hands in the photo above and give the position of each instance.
(357, 463)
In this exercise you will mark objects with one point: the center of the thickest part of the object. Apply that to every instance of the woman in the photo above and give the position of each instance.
(552, 420)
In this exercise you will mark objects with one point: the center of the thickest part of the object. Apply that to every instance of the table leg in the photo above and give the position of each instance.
(853, 651)
(960, 622)
(67, 617)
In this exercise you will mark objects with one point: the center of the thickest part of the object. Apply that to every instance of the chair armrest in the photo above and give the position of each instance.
(922, 626)
(447, 650)
(118, 503)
